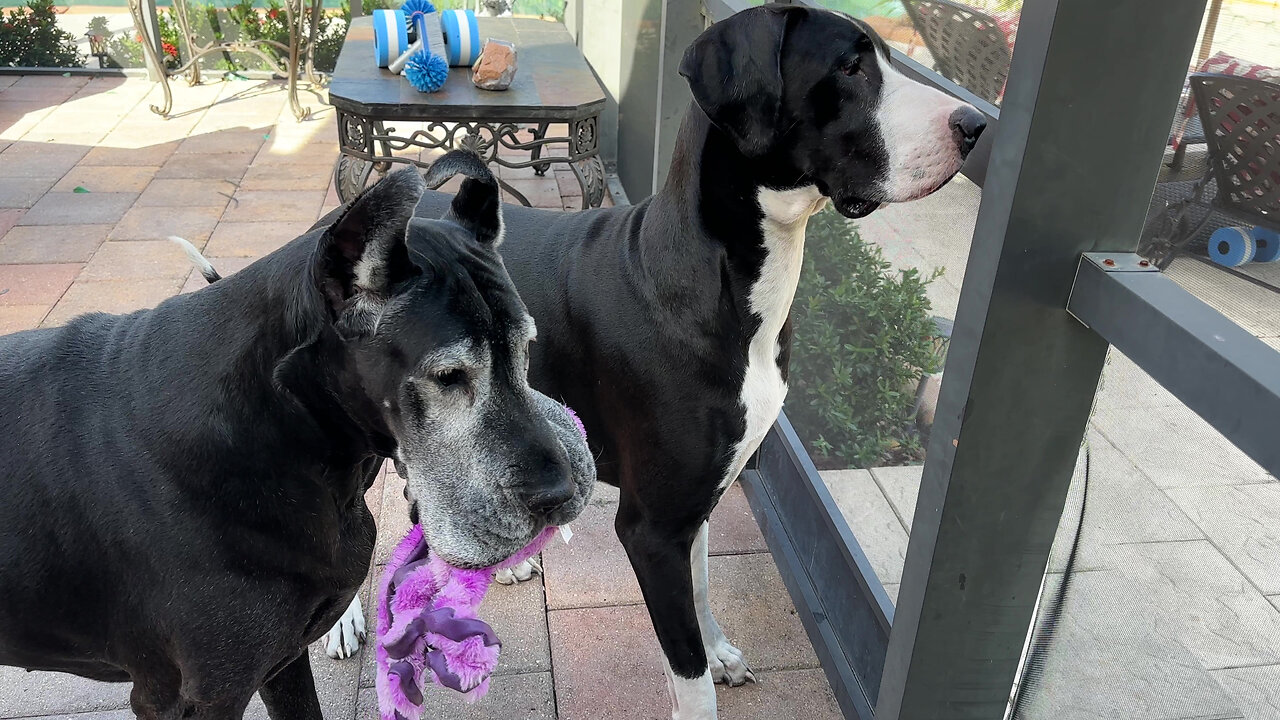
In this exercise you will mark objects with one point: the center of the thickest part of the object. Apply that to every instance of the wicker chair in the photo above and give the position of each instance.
(968, 46)
(1241, 118)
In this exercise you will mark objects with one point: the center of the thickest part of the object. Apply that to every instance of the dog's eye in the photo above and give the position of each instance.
(852, 67)
(451, 378)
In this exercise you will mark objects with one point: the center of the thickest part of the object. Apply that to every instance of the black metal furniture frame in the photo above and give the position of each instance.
(303, 19)
(1241, 118)
(368, 144)
(967, 45)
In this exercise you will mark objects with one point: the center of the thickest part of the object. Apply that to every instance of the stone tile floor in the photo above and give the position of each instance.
(233, 173)
(1174, 611)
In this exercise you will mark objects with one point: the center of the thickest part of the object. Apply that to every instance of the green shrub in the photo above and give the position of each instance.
(863, 336)
(30, 37)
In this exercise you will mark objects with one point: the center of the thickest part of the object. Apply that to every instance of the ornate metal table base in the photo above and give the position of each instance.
(298, 49)
(368, 145)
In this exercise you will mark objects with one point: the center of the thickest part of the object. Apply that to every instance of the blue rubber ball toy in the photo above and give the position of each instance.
(426, 72)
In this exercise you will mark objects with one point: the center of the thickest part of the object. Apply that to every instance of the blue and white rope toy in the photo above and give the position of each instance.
(390, 36)
(461, 37)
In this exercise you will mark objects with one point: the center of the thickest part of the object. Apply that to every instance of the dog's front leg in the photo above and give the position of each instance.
(660, 557)
(291, 693)
(344, 638)
(726, 661)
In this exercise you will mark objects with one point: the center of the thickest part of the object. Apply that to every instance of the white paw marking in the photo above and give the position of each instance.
(692, 699)
(518, 574)
(727, 664)
(343, 640)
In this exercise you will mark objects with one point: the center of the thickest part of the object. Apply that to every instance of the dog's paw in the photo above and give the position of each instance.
(727, 665)
(519, 573)
(343, 640)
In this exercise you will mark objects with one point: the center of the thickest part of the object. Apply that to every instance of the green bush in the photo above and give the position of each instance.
(863, 337)
(30, 37)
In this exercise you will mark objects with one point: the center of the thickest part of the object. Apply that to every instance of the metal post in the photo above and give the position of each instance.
(1082, 130)
(682, 21)
(151, 35)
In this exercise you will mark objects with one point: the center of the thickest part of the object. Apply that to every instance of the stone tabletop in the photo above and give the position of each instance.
(553, 81)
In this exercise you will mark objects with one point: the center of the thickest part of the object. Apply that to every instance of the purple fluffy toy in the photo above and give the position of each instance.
(427, 624)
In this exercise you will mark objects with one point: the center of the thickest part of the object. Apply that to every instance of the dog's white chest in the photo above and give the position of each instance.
(763, 389)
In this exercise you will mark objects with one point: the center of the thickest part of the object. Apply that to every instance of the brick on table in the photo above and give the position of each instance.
(22, 193)
(35, 284)
(630, 684)
(14, 318)
(511, 697)
(112, 296)
(275, 205)
(107, 178)
(175, 192)
(252, 239)
(217, 166)
(140, 260)
(158, 223)
(41, 244)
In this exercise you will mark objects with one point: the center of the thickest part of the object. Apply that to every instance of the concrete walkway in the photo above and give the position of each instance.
(238, 177)
(1173, 612)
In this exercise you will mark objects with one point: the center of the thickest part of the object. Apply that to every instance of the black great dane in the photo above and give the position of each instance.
(665, 324)
(182, 489)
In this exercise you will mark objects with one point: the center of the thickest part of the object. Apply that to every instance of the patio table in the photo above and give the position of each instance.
(553, 86)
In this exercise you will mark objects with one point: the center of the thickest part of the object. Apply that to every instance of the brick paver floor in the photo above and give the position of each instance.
(91, 182)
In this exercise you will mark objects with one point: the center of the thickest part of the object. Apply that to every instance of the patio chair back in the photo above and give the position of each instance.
(968, 46)
(1241, 118)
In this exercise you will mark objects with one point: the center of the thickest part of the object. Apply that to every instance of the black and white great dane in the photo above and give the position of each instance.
(665, 323)
(182, 489)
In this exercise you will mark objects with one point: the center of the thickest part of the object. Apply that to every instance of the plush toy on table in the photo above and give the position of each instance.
(428, 629)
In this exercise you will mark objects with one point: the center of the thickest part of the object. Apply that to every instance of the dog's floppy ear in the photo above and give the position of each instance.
(363, 253)
(477, 206)
(734, 70)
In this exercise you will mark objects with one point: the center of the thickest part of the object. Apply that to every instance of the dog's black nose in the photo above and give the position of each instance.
(549, 488)
(966, 125)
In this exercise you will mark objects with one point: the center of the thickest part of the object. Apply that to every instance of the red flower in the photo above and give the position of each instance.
(169, 49)
(273, 13)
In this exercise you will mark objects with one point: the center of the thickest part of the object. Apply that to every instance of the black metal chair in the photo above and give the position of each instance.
(968, 46)
(1241, 120)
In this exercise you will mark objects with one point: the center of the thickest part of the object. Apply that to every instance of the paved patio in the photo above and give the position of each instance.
(238, 177)
(1174, 612)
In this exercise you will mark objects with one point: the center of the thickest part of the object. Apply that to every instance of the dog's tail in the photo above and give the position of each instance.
(210, 275)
